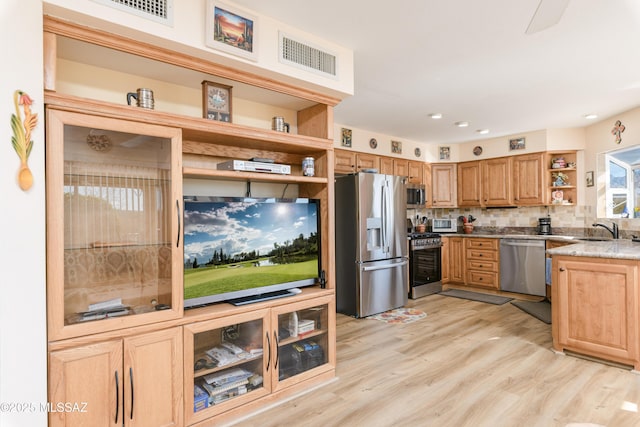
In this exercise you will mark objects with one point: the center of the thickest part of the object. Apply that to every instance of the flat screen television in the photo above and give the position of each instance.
(243, 249)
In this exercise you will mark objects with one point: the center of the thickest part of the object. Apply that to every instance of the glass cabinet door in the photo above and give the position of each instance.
(225, 362)
(113, 238)
(304, 340)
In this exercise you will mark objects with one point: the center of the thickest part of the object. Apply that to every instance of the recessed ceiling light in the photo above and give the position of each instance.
(483, 131)
(462, 124)
(590, 116)
(436, 115)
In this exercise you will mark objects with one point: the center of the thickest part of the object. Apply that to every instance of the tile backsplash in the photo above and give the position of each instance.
(576, 218)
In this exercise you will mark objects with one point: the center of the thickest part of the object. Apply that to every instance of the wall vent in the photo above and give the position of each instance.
(306, 56)
(155, 10)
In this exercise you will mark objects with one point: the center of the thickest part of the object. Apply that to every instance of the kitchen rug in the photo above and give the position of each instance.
(540, 310)
(399, 315)
(475, 296)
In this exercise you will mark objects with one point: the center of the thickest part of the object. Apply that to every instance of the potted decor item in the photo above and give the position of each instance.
(467, 223)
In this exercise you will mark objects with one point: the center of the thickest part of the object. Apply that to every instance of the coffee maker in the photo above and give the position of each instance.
(544, 225)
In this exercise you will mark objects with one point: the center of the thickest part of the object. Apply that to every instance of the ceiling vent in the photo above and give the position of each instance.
(307, 57)
(156, 10)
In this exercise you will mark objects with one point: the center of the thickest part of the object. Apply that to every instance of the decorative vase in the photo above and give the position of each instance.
(467, 228)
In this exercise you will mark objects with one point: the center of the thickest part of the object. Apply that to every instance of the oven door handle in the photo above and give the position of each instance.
(382, 267)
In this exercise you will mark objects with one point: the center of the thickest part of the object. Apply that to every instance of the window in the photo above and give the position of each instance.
(623, 183)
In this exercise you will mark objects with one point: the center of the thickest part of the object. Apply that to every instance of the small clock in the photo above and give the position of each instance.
(373, 143)
(417, 152)
(477, 150)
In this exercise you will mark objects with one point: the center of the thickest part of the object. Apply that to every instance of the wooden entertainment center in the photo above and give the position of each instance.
(140, 366)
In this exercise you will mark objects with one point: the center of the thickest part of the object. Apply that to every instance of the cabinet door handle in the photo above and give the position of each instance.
(269, 350)
(117, 398)
(275, 338)
(562, 269)
(179, 224)
(131, 381)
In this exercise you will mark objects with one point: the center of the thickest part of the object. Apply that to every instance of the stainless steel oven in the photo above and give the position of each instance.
(425, 264)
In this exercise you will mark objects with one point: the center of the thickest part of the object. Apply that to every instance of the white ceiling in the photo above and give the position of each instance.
(472, 61)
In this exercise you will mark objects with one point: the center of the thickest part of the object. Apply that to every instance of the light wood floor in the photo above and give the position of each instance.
(466, 364)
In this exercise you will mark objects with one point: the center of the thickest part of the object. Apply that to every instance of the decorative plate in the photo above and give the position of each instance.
(99, 142)
(417, 152)
(373, 143)
(477, 150)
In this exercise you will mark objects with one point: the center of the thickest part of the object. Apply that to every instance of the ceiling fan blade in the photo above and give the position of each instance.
(546, 15)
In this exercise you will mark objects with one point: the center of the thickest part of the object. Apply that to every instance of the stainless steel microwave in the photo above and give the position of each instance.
(444, 225)
(416, 196)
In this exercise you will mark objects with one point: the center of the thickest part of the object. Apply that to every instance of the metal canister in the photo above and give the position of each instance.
(308, 166)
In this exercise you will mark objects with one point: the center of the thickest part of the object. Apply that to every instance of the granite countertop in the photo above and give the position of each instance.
(517, 236)
(619, 249)
(584, 246)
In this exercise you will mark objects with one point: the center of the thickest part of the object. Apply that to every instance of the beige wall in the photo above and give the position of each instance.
(599, 139)
(23, 340)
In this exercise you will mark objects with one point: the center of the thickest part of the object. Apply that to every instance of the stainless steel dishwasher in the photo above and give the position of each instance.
(522, 266)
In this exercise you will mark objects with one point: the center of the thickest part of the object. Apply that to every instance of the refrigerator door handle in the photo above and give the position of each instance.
(382, 267)
(383, 217)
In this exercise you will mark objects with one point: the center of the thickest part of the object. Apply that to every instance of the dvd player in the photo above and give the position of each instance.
(248, 166)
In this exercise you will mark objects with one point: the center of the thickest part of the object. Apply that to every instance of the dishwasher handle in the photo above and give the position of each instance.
(518, 242)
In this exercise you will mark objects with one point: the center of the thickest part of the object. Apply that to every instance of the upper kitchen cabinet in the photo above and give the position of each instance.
(366, 161)
(345, 161)
(469, 184)
(529, 178)
(416, 172)
(412, 170)
(386, 165)
(443, 185)
(485, 182)
(114, 250)
(401, 167)
(497, 182)
(562, 177)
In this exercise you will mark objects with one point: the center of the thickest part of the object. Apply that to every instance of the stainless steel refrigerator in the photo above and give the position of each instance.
(372, 270)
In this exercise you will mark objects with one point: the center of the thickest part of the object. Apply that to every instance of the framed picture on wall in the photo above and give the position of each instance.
(517, 144)
(346, 137)
(230, 30)
(396, 147)
(589, 179)
(445, 153)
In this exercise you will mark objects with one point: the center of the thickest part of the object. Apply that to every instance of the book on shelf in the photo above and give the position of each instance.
(222, 356)
(215, 390)
(227, 376)
(221, 397)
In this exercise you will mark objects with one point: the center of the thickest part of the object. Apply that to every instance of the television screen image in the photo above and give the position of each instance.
(244, 247)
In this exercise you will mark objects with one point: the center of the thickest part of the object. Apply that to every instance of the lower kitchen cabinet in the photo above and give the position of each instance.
(135, 381)
(595, 307)
(482, 262)
(444, 260)
(235, 361)
(456, 260)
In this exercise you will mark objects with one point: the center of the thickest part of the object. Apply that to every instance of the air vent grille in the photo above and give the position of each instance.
(155, 10)
(305, 56)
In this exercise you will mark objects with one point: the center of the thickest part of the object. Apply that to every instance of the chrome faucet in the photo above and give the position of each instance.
(613, 229)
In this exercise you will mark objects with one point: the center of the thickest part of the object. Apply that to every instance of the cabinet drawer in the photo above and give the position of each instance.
(482, 278)
(477, 254)
(484, 244)
(490, 266)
